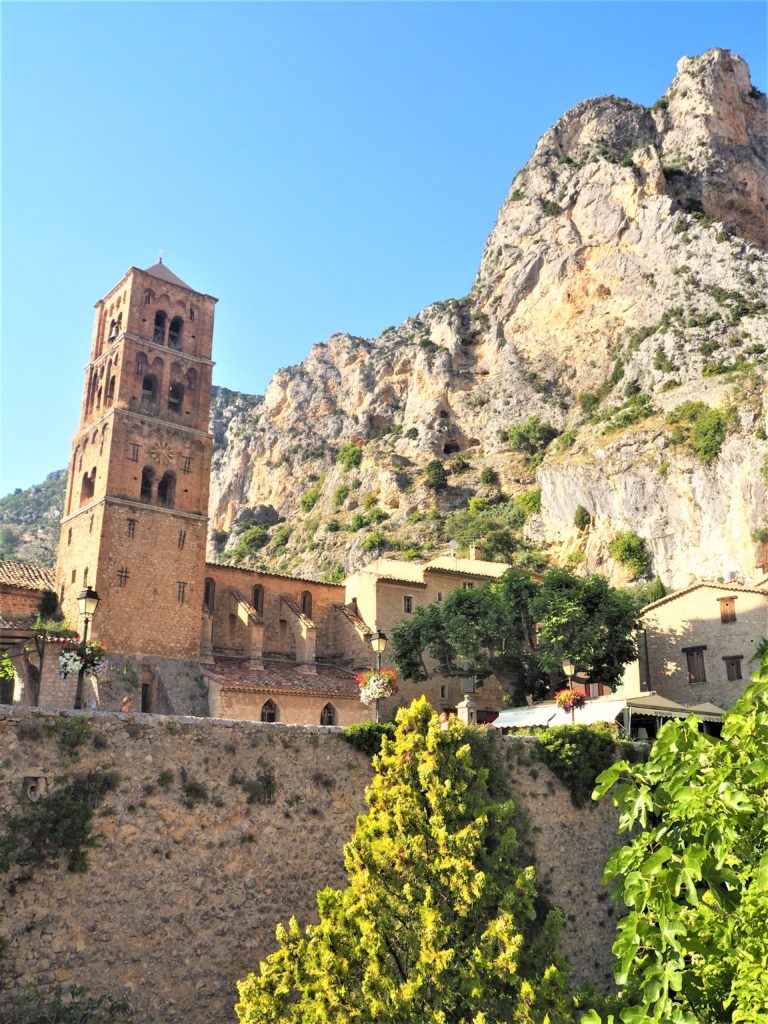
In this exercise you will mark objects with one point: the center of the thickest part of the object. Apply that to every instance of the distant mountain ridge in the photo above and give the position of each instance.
(604, 378)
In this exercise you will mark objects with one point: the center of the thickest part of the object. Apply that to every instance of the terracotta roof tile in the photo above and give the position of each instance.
(273, 575)
(27, 575)
(283, 677)
(729, 588)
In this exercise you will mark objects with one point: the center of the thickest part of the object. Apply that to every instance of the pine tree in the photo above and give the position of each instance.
(438, 923)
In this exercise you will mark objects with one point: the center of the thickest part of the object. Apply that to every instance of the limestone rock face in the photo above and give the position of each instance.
(626, 274)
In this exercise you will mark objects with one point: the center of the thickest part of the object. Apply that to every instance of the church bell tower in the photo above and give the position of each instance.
(136, 505)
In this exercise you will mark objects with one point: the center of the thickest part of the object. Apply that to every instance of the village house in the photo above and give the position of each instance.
(699, 644)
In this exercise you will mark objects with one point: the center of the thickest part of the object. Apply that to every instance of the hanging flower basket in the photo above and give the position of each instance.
(75, 655)
(569, 700)
(376, 684)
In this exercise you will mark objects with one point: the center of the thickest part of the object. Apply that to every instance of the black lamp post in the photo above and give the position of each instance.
(569, 668)
(379, 645)
(87, 603)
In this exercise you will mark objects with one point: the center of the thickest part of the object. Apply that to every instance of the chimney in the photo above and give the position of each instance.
(473, 552)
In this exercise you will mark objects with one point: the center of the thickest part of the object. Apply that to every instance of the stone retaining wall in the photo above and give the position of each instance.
(180, 901)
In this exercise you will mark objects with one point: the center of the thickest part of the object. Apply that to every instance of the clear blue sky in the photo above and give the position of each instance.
(318, 167)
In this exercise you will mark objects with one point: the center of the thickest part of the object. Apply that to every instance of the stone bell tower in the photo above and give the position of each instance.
(136, 506)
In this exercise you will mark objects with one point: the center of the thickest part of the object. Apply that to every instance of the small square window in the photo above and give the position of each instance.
(122, 576)
(186, 464)
(181, 591)
(468, 585)
(133, 453)
(182, 538)
(727, 609)
(408, 605)
(695, 663)
(444, 692)
(439, 595)
(733, 667)
(74, 574)
(131, 528)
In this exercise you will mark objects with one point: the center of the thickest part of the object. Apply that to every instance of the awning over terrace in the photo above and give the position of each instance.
(611, 708)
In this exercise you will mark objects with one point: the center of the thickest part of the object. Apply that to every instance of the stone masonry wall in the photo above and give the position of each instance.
(180, 901)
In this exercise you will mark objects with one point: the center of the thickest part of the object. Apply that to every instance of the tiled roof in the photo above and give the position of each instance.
(466, 566)
(728, 588)
(27, 575)
(273, 575)
(283, 677)
(162, 273)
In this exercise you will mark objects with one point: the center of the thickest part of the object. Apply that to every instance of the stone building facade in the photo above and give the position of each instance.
(699, 644)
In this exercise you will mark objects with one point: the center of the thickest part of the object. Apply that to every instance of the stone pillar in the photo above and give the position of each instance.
(466, 711)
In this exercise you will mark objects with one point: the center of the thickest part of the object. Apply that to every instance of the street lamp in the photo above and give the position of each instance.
(569, 668)
(87, 603)
(379, 645)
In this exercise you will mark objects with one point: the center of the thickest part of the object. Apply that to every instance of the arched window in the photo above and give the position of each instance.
(174, 332)
(147, 481)
(148, 388)
(149, 298)
(114, 330)
(269, 711)
(166, 490)
(257, 598)
(191, 379)
(88, 486)
(175, 397)
(159, 331)
(328, 715)
(141, 364)
(110, 390)
(209, 594)
(191, 312)
(306, 604)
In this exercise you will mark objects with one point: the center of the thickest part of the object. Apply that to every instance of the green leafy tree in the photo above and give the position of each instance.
(486, 631)
(438, 922)
(585, 619)
(491, 628)
(693, 948)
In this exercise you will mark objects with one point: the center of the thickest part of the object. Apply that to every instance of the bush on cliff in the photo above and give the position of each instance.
(439, 921)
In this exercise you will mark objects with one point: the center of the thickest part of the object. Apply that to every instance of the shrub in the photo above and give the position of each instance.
(367, 736)
(332, 572)
(581, 518)
(340, 495)
(703, 427)
(532, 437)
(629, 549)
(374, 540)
(72, 732)
(528, 502)
(577, 754)
(349, 456)
(308, 500)
(435, 476)
(194, 792)
(488, 477)
(411, 433)
(280, 538)
(165, 778)
(357, 522)
(332, 526)
(551, 208)
(250, 542)
(662, 362)
(73, 1005)
(59, 823)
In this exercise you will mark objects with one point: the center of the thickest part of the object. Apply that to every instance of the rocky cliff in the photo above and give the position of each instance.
(620, 300)
(608, 365)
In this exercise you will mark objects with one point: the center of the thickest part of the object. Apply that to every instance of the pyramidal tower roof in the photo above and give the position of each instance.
(162, 273)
